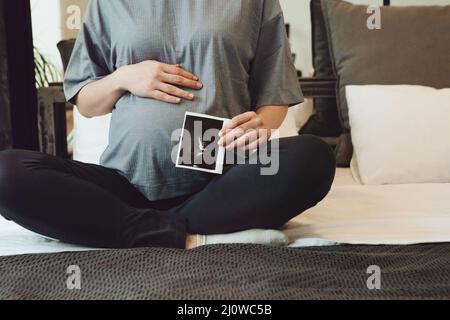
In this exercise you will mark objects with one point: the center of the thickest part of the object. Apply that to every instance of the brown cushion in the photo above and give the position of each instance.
(412, 47)
(65, 48)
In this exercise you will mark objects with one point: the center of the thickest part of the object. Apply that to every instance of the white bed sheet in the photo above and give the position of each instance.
(375, 215)
(351, 214)
(15, 240)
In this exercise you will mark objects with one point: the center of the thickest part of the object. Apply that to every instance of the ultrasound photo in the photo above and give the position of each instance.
(199, 145)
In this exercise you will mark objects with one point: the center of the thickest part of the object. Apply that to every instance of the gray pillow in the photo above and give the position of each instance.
(412, 47)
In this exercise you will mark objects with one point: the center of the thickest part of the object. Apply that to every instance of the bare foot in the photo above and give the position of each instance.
(191, 242)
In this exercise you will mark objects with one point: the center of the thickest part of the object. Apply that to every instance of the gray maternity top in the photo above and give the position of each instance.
(238, 48)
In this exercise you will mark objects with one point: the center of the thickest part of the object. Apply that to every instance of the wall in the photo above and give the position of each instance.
(47, 28)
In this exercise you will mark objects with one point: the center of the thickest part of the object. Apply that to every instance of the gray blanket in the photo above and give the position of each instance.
(231, 272)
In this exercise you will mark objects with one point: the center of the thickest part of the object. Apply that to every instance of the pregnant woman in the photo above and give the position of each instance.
(148, 62)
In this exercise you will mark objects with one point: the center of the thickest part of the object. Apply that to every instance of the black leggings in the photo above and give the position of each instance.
(94, 206)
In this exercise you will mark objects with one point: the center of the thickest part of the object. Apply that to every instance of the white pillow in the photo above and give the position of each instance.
(91, 137)
(400, 133)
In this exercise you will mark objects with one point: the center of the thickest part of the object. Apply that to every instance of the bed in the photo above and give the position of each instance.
(402, 229)
(351, 214)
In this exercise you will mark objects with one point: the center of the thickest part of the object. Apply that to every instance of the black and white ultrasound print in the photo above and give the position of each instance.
(199, 144)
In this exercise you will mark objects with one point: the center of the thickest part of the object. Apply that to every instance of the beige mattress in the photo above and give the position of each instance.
(391, 214)
(351, 214)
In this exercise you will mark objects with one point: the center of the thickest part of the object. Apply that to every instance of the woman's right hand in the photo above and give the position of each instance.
(155, 80)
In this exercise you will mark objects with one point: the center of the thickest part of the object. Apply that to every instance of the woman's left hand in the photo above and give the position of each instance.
(245, 131)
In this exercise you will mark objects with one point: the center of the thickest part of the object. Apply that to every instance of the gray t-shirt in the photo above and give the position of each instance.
(239, 50)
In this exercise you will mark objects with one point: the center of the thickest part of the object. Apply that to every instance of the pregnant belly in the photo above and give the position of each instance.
(143, 146)
(147, 120)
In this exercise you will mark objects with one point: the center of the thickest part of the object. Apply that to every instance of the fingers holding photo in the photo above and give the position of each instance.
(251, 140)
(238, 121)
(245, 131)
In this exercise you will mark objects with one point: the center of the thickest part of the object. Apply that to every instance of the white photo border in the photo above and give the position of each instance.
(221, 152)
